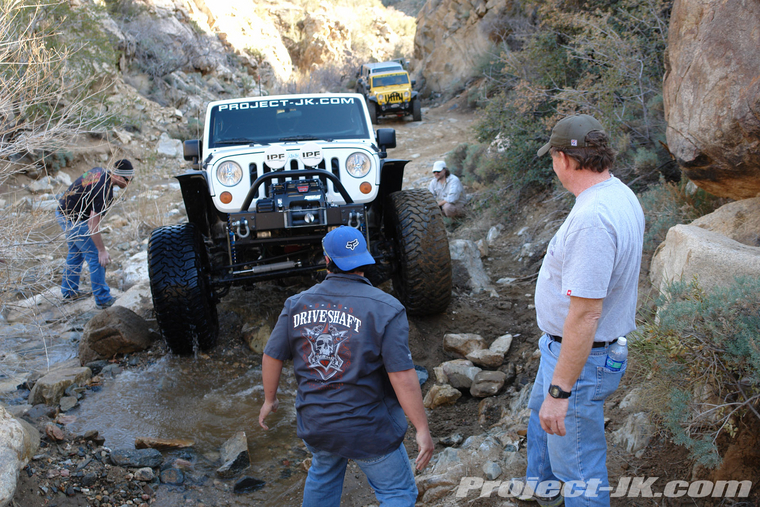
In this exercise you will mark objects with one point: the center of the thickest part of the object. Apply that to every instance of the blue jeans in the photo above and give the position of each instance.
(390, 476)
(81, 249)
(581, 455)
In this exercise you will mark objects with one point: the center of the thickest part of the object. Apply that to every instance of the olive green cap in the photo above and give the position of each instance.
(571, 132)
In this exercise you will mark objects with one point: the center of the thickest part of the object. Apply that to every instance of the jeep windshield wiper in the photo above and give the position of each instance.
(303, 138)
(238, 140)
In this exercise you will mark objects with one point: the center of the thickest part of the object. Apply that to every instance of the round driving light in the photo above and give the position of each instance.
(229, 173)
(358, 165)
(225, 197)
(309, 218)
(365, 188)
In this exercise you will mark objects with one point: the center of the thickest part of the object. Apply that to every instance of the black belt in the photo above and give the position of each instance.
(596, 345)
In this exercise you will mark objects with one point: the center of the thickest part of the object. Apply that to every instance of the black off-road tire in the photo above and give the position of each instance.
(422, 281)
(182, 298)
(372, 111)
(416, 110)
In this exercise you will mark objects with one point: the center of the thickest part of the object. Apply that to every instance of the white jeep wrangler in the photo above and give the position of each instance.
(271, 176)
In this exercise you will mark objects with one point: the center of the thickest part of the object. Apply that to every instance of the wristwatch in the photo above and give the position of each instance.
(557, 392)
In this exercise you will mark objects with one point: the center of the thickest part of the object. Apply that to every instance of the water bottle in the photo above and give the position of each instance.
(617, 355)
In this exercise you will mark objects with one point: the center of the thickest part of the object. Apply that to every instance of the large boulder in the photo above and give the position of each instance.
(738, 220)
(690, 252)
(711, 94)
(116, 330)
(18, 443)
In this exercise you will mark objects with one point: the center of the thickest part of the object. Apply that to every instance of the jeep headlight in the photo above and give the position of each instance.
(229, 173)
(407, 94)
(380, 98)
(358, 165)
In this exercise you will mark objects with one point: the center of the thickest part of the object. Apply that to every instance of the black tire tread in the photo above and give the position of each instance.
(184, 305)
(423, 281)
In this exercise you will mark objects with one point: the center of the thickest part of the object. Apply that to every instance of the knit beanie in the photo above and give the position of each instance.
(123, 168)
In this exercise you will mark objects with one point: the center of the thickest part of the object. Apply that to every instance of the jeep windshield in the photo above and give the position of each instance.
(270, 120)
(390, 80)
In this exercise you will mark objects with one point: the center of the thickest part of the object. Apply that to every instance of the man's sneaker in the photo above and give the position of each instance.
(521, 489)
(106, 304)
(76, 296)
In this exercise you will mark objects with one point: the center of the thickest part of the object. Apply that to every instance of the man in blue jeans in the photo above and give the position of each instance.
(349, 343)
(585, 299)
(80, 210)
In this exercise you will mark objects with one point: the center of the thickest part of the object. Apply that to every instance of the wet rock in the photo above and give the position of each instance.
(463, 343)
(501, 344)
(163, 444)
(452, 440)
(144, 474)
(136, 458)
(110, 371)
(50, 388)
(486, 358)
(248, 485)
(172, 476)
(235, 455)
(460, 373)
(256, 336)
(116, 330)
(68, 402)
(492, 470)
(441, 394)
(487, 383)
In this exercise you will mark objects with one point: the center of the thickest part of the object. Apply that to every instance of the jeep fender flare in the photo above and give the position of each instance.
(198, 203)
(391, 180)
(414, 94)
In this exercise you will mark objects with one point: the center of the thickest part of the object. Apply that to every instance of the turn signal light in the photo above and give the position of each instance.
(365, 188)
(225, 197)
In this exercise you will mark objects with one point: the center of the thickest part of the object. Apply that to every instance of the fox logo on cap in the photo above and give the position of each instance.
(352, 244)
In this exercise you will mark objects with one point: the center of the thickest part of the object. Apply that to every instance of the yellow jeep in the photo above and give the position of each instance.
(390, 93)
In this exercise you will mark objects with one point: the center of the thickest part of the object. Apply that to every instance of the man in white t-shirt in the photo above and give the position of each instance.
(585, 299)
(447, 190)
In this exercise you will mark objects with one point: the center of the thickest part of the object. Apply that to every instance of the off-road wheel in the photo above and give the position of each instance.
(422, 281)
(416, 109)
(182, 298)
(372, 111)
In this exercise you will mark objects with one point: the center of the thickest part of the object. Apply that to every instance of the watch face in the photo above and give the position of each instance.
(556, 392)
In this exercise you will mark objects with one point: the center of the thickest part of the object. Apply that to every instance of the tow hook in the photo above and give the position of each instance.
(351, 217)
(241, 225)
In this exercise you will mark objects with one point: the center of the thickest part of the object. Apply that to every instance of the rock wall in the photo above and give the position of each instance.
(711, 94)
(452, 36)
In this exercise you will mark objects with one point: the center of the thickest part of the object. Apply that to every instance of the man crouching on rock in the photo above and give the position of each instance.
(349, 343)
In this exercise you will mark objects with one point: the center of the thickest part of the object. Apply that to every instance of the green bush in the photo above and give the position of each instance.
(701, 356)
(599, 58)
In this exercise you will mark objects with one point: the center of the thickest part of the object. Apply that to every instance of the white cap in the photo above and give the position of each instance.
(439, 166)
(622, 340)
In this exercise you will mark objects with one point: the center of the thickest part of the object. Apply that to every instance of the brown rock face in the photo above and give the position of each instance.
(114, 331)
(452, 36)
(712, 94)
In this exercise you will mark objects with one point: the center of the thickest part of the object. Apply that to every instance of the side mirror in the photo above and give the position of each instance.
(414, 82)
(191, 150)
(386, 138)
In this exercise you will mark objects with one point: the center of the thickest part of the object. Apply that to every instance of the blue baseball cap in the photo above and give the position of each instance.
(347, 248)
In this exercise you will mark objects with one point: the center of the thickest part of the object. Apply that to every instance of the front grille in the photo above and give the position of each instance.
(395, 97)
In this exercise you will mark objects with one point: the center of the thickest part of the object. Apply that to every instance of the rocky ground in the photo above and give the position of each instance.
(73, 469)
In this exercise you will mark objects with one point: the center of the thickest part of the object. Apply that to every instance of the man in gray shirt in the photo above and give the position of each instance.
(585, 299)
(447, 190)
